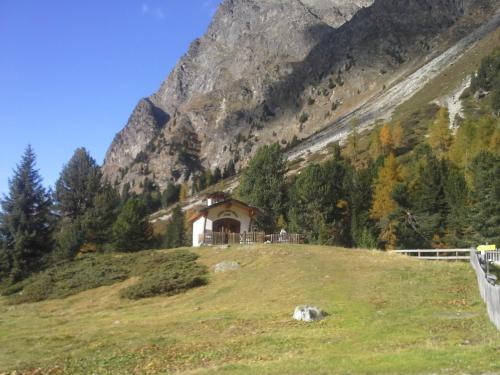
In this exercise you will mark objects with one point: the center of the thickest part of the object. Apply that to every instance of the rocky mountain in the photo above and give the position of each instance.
(280, 71)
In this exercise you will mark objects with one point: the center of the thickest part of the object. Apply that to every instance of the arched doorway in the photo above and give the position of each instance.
(226, 226)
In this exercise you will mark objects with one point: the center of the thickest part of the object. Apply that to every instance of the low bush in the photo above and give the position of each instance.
(72, 277)
(170, 279)
(160, 273)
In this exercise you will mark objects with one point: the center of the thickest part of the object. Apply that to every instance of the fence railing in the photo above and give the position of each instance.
(245, 238)
(220, 238)
(437, 254)
(490, 293)
(492, 256)
(293, 239)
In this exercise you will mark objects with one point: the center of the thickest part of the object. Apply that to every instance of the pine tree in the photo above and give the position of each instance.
(5, 262)
(69, 237)
(170, 195)
(320, 208)
(26, 220)
(360, 198)
(98, 221)
(458, 228)
(440, 136)
(131, 230)
(175, 235)
(485, 215)
(150, 196)
(78, 184)
(263, 184)
(429, 206)
(312, 198)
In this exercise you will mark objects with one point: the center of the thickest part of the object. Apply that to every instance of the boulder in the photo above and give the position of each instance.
(308, 313)
(227, 267)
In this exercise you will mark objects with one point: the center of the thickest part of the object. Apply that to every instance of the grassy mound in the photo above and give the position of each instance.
(388, 314)
(159, 273)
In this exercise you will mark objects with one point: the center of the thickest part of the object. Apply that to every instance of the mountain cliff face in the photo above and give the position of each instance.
(272, 70)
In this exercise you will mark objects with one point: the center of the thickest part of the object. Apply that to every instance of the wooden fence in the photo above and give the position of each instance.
(437, 254)
(219, 238)
(489, 292)
(245, 238)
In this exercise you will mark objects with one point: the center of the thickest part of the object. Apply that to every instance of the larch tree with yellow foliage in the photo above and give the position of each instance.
(386, 140)
(440, 136)
(375, 149)
(389, 176)
(352, 145)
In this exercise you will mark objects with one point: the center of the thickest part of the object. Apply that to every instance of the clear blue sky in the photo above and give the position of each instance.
(71, 72)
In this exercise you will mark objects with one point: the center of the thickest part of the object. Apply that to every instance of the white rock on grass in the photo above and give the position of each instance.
(227, 267)
(308, 313)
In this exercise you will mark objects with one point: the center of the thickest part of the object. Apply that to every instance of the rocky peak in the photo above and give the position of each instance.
(270, 70)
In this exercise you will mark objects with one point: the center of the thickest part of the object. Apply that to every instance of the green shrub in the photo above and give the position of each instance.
(169, 279)
(161, 273)
(72, 277)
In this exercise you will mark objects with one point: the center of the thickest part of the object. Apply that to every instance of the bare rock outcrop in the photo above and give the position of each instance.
(270, 70)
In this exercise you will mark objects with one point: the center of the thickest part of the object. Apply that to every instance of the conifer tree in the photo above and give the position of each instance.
(386, 141)
(388, 177)
(485, 215)
(440, 136)
(131, 230)
(175, 235)
(312, 198)
(320, 208)
(69, 237)
(458, 227)
(150, 196)
(26, 220)
(429, 206)
(263, 184)
(98, 221)
(78, 184)
(375, 149)
(352, 145)
(170, 195)
(360, 197)
(5, 262)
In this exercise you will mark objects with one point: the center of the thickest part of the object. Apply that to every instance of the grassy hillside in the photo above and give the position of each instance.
(388, 314)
